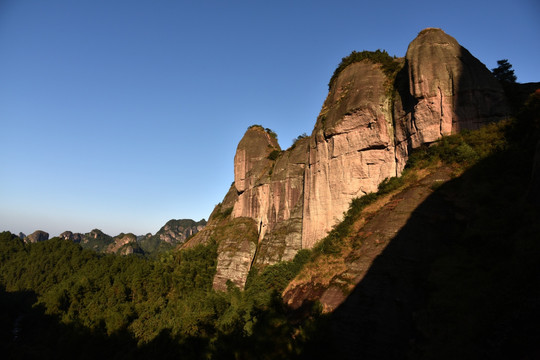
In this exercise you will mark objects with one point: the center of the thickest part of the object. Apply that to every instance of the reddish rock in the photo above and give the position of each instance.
(453, 89)
(368, 124)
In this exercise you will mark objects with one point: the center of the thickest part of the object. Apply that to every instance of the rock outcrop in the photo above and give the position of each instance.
(236, 250)
(368, 124)
(351, 149)
(173, 233)
(177, 231)
(452, 90)
(36, 236)
(280, 235)
(68, 235)
(96, 240)
(263, 209)
(269, 184)
(124, 244)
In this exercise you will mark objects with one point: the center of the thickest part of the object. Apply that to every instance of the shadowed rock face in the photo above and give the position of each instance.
(368, 124)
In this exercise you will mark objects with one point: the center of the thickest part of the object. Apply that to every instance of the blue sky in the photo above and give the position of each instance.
(121, 115)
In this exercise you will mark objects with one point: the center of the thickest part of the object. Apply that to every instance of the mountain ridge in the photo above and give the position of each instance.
(377, 111)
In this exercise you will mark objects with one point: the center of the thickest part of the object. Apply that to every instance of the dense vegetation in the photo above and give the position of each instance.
(55, 292)
(268, 131)
(389, 64)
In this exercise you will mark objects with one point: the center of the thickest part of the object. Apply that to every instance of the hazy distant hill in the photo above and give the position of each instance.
(173, 233)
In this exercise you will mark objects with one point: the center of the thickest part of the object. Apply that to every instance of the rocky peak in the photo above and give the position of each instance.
(124, 244)
(96, 233)
(68, 235)
(351, 149)
(251, 160)
(377, 110)
(37, 236)
(177, 231)
(452, 89)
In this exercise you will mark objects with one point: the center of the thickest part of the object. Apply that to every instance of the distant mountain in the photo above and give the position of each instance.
(36, 236)
(124, 244)
(173, 233)
(96, 240)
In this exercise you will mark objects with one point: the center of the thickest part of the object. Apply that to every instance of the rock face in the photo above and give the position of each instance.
(68, 235)
(263, 208)
(235, 252)
(452, 89)
(269, 184)
(280, 235)
(368, 124)
(351, 149)
(124, 244)
(37, 236)
(97, 240)
(177, 231)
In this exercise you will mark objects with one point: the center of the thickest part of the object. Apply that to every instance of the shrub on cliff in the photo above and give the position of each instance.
(389, 64)
(274, 155)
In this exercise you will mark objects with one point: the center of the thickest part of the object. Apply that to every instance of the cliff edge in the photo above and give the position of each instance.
(378, 109)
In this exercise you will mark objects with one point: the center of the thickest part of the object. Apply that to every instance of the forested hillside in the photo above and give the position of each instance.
(62, 301)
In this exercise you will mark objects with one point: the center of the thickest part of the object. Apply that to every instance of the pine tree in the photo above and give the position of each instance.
(504, 72)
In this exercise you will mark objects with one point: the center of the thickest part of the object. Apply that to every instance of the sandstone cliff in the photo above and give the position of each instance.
(369, 122)
(452, 90)
(351, 149)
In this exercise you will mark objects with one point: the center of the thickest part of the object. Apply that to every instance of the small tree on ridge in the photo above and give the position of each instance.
(504, 72)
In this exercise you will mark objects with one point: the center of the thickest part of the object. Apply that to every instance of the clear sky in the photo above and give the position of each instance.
(121, 115)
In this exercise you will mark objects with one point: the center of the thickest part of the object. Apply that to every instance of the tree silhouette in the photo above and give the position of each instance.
(504, 72)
